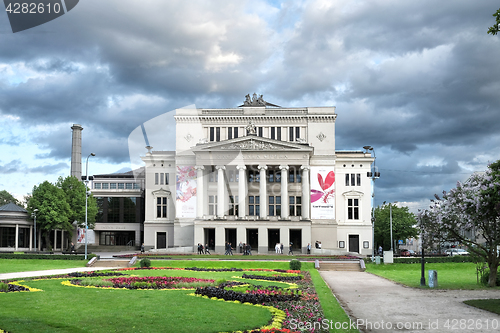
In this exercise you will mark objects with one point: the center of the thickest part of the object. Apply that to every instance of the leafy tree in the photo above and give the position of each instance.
(496, 27)
(6, 197)
(403, 224)
(53, 210)
(469, 214)
(75, 197)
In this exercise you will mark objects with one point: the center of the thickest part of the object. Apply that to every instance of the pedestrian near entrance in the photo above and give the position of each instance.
(281, 248)
(380, 250)
(290, 251)
(308, 248)
(142, 248)
(206, 249)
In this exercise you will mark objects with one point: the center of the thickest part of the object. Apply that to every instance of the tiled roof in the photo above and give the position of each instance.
(10, 207)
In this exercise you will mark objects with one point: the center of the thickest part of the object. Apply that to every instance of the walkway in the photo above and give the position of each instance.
(379, 305)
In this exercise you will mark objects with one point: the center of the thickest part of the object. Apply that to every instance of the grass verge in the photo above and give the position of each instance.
(492, 305)
(25, 265)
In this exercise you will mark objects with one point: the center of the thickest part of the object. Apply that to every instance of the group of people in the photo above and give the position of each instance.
(203, 249)
(279, 248)
(246, 249)
(317, 245)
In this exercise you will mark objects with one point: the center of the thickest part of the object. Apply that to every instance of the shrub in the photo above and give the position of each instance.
(295, 265)
(145, 262)
(485, 277)
(4, 287)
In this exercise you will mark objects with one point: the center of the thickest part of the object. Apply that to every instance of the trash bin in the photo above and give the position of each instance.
(433, 279)
(377, 260)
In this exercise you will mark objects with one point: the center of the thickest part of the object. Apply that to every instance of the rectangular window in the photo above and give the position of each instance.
(291, 175)
(97, 186)
(121, 186)
(347, 177)
(212, 205)
(233, 205)
(278, 133)
(217, 134)
(235, 132)
(274, 206)
(128, 186)
(161, 207)
(254, 205)
(212, 133)
(290, 134)
(112, 186)
(166, 179)
(105, 186)
(157, 178)
(358, 179)
(295, 205)
(162, 177)
(271, 176)
(297, 133)
(273, 133)
(229, 133)
(353, 179)
(260, 131)
(353, 209)
(137, 186)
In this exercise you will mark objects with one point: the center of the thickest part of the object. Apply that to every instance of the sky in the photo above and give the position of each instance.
(417, 80)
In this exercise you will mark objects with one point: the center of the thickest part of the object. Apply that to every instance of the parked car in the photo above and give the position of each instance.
(407, 253)
(456, 252)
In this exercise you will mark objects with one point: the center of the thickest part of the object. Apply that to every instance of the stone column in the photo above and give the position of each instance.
(220, 190)
(31, 237)
(284, 192)
(200, 193)
(62, 240)
(242, 191)
(263, 191)
(16, 243)
(306, 193)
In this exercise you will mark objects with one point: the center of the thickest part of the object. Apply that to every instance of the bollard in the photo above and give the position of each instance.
(433, 279)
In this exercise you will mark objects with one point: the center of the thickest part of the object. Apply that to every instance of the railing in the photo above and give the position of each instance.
(130, 244)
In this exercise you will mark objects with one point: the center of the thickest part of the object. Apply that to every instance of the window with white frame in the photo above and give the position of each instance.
(274, 205)
(97, 186)
(352, 179)
(352, 209)
(254, 205)
(276, 133)
(233, 205)
(294, 175)
(161, 207)
(212, 205)
(295, 205)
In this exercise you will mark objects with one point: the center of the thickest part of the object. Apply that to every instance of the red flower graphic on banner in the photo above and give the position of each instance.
(325, 185)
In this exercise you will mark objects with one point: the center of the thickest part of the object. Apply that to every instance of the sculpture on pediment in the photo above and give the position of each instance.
(251, 128)
(255, 100)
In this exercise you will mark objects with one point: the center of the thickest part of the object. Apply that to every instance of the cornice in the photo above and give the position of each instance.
(258, 119)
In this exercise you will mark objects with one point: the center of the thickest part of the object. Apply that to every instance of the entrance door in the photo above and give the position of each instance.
(253, 238)
(354, 243)
(296, 239)
(209, 238)
(273, 237)
(231, 237)
(161, 240)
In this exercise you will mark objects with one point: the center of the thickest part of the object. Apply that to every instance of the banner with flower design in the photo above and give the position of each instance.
(322, 193)
(186, 191)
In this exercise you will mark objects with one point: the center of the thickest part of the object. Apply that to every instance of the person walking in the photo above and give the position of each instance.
(308, 248)
(290, 249)
(207, 251)
(281, 248)
(142, 248)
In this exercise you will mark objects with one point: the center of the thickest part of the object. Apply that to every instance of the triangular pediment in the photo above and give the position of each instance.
(252, 143)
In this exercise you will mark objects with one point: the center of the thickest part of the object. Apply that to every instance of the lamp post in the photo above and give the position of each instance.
(390, 214)
(373, 175)
(34, 216)
(86, 200)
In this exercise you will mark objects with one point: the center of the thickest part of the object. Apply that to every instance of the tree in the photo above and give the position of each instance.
(53, 210)
(403, 224)
(496, 27)
(469, 214)
(6, 197)
(75, 197)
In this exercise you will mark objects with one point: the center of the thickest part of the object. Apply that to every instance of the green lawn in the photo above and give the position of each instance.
(24, 265)
(492, 305)
(450, 275)
(61, 308)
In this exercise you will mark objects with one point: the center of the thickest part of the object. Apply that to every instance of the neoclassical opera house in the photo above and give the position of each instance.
(259, 174)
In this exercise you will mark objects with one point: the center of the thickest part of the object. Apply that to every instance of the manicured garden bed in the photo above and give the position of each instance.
(62, 307)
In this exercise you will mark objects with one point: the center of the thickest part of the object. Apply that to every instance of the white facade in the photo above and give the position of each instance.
(257, 174)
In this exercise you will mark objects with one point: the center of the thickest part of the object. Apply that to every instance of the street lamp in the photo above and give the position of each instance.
(34, 216)
(390, 214)
(373, 175)
(87, 192)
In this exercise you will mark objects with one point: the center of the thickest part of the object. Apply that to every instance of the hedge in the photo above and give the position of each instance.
(418, 260)
(46, 256)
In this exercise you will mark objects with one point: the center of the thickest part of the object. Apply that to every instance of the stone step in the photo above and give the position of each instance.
(111, 263)
(340, 266)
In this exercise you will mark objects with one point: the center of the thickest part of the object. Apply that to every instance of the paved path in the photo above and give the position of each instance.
(380, 305)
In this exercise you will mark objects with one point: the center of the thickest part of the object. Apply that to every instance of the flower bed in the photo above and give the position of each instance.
(257, 297)
(272, 278)
(94, 274)
(8, 288)
(152, 282)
